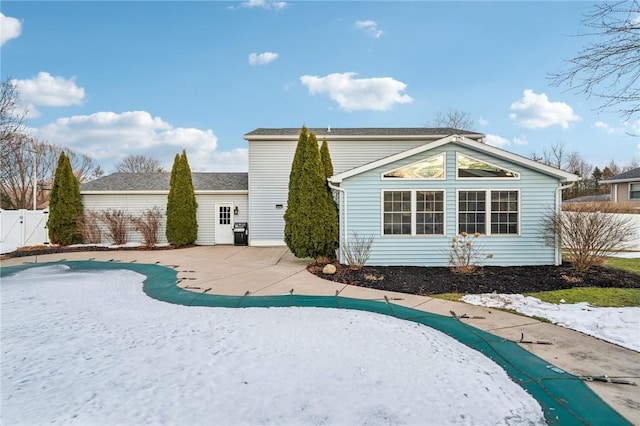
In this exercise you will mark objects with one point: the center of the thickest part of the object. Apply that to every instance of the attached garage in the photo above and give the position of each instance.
(222, 201)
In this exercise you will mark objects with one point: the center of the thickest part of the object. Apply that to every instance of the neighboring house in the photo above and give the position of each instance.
(410, 189)
(221, 197)
(625, 187)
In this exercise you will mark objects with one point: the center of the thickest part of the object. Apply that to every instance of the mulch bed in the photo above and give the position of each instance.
(489, 279)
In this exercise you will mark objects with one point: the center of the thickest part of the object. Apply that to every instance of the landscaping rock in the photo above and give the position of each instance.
(329, 269)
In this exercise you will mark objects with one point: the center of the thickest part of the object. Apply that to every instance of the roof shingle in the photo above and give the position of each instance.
(365, 131)
(160, 182)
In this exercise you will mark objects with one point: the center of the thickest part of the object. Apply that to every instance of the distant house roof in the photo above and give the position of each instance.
(628, 176)
(140, 182)
(361, 133)
(462, 141)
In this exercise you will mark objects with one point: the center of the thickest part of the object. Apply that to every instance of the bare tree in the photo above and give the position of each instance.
(11, 118)
(138, 164)
(453, 118)
(16, 174)
(609, 67)
(588, 235)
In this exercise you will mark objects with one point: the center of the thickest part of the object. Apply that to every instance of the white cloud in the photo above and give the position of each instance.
(483, 122)
(264, 4)
(369, 27)
(262, 58)
(500, 142)
(10, 28)
(107, 137)
(47, 90)
(535, 111)
(497, 141)
(601, 125)
(374, 94)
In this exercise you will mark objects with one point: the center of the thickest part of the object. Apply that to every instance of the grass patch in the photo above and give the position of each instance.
(453, 297)
(629, 265)
(595, 296)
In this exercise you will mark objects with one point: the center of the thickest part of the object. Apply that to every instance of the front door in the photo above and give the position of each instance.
(224, 223)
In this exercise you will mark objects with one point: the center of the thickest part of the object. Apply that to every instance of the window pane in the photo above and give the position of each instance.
(471, 211)
(472, 168)
(429, 212)
(430, 168)
(397, 212)
(504, 212)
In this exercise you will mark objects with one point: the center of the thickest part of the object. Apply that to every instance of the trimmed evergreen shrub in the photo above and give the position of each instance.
(327, 165)
(65, 205)
(311, 219)
(182, 224)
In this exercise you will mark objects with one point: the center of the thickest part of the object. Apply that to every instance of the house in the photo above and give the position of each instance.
(625, 187)
(410, 189)
(221, 198)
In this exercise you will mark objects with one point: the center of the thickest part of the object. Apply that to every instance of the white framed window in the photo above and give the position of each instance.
(413, 212)
(490, 212)
(432, 168)
(634, 191)
(468, 167)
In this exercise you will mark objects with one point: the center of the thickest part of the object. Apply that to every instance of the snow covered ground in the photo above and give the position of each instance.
(616, 325)
(91, 348)
(7, 248)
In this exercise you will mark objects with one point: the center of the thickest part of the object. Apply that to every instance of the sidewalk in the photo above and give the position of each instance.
(266, 271)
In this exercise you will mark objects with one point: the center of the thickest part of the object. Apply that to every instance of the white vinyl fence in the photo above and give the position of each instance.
(24, 227)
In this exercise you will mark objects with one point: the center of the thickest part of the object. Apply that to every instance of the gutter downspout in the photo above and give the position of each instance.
(346, 234)
(558, 260)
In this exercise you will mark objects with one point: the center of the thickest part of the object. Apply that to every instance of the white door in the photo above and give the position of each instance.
(224, 223)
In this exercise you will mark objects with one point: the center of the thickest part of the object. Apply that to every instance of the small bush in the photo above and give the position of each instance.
(464, 254)
(148, 224)
(116, 222)
(357, 250)
(89, 228)
(588, 236)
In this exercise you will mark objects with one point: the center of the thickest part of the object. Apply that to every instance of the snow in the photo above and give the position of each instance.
(616, 325)
(89, 347)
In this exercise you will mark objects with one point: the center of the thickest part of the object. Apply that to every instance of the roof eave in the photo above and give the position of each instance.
(248, 137)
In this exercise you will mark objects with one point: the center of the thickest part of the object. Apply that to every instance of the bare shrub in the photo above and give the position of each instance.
(357, 250)
(464, 254)
(116, 222)
(148, 224)
(89, 227)
(588, 235)
(605, 206)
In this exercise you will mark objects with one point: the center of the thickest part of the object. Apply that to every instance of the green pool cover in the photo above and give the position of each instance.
(565, 399)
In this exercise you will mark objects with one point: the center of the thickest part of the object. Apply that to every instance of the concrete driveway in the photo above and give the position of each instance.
(236, 270)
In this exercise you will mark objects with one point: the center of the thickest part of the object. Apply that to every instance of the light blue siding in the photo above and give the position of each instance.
(536, 197)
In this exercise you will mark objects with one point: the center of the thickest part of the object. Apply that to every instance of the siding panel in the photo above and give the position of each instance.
(537, 196)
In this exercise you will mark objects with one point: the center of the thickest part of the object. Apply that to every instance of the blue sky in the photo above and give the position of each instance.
(153, 77)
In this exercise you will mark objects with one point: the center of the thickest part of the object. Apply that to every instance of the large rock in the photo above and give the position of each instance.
(329, 269)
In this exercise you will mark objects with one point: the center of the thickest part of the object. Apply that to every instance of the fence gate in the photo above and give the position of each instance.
(24, 227)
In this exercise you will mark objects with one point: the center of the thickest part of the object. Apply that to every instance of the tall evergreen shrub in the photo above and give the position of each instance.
(325, 156)
(65, 205)
(182, 225)
(311, 219)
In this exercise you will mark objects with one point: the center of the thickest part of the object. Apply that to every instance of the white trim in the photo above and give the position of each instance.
(615, 193)
(487, 178)
(488, 211)
(414, 205)
(164, 192)
(396, 179)
(629, 191)
(469, 143)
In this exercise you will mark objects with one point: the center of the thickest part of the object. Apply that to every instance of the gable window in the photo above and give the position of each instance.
(634, 191)
(413, 212)
(500, 216)
(429, 168)
(472, 168)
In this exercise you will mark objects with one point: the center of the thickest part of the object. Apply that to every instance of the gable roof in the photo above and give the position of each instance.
(463, 141)
(159, 182)
(364, 133)
(628, 176)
